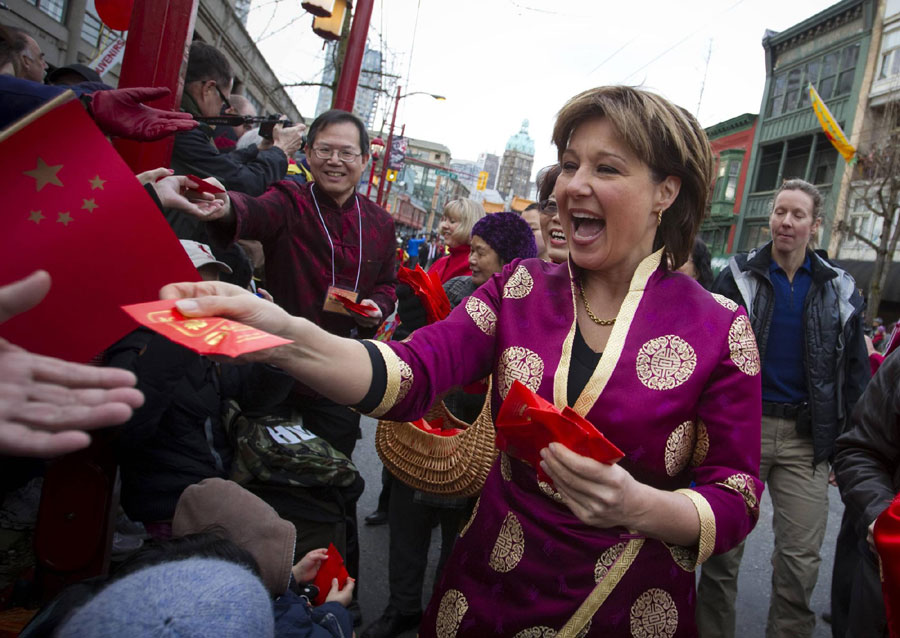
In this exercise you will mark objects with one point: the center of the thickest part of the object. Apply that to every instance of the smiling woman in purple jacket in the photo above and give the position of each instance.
(667, 371)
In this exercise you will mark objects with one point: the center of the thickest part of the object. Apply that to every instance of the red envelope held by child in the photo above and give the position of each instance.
(333, 567)
(527, 423)
(205, 335)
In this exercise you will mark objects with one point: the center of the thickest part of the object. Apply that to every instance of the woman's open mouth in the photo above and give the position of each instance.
(587, 226)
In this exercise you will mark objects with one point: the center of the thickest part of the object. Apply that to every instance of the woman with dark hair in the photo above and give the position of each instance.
(699, 264)
(551, 227)
(600, 549)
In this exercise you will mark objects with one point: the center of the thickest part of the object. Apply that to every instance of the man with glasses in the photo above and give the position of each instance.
(321, 239)
(207, 90)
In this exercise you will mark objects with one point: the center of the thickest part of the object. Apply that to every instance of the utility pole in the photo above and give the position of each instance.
(352, 63)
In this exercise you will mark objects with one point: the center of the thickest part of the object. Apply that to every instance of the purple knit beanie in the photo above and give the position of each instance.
(508, 234)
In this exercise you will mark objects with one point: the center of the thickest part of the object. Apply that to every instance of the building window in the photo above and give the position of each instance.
(890, 56)
(93, 31)
(831, 74)
(769, 161)
(56, 9)
(797, 163)
(755, 236)
(727, 179)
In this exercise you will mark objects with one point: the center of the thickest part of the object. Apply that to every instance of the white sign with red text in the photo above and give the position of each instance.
(110, 56)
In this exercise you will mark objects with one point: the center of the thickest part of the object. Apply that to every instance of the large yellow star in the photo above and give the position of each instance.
(89, 205)
(64, 219)
(35, 216)
(97, 183)
(44, 174)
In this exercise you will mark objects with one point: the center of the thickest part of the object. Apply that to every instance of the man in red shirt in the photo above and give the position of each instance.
(319, 237)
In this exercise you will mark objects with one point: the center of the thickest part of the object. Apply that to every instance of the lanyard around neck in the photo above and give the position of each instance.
(331, 243)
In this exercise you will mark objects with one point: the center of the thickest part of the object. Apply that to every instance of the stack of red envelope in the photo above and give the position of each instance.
(526, 424)
(428, 289)
(205, 335)
(436, 427)
(333, 567)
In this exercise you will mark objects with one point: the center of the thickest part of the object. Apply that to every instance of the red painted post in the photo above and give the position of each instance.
(387, 151)
(159, 38)
(356, 47)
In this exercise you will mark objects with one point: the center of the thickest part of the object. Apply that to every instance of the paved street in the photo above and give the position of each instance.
(755, 579)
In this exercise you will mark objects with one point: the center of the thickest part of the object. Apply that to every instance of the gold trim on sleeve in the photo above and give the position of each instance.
(561, 377)
(399, 379)
(707, 524)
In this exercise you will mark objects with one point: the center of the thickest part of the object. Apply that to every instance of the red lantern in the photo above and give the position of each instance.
(116, 14)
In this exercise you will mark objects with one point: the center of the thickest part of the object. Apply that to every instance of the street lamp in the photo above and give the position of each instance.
(384, 163)
(375, 149)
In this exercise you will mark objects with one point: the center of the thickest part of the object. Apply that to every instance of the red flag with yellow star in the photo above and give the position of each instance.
(73, 208)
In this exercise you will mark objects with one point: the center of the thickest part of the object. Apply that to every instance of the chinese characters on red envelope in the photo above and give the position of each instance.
(526, 424)
(429, 290)
(205, 335)
(333, 567)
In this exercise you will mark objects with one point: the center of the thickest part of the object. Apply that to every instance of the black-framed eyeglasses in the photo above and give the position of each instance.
(326, 153)
(548, 206)
(226, 105)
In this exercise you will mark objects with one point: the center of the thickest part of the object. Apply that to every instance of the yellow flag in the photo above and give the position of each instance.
(832, 129)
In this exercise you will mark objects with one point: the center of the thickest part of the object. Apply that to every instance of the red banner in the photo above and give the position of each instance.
(73, 208)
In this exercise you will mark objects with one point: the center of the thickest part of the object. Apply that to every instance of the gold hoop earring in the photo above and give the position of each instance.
(659, 217)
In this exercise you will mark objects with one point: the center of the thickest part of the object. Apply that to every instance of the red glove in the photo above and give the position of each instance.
(120, 113)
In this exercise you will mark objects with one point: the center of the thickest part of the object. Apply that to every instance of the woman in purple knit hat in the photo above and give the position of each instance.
(667, 371)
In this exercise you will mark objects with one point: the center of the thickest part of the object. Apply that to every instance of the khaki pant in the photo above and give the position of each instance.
(799, 494)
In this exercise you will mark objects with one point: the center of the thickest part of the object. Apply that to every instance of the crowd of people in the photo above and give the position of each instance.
(599, 297)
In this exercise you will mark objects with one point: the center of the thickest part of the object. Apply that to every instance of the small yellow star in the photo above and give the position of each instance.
(89, 205)
(35, 216)
(97, 183)
(64, 219)
(44, 174)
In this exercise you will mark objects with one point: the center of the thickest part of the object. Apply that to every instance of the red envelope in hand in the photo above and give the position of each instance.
(527, 423)
(203, 186)
(428, 288)
(352, 306)
(333, 567)
(205, 335)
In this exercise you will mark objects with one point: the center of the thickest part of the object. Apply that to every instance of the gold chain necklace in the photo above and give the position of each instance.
(597, 320)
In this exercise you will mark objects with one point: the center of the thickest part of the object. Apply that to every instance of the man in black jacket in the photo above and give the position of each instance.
(207, 88)
(807, 318)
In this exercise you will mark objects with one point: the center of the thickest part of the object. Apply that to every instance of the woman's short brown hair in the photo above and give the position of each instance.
(666, 138)
(468, 212)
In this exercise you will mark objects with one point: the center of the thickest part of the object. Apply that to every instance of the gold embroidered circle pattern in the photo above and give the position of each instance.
(519, 364)
(482, 315)
(406, 380)
(742, 345)
(665, 362)
(505, 467)
(701, 448)
(519, 285)
(509, 547)
(606, 560)
(654, 615)
(537, 632)
(547, 489)
(679, 448)
(450, 613)
(471, 518)
(743, 485)
(725, 301)
(684, 557)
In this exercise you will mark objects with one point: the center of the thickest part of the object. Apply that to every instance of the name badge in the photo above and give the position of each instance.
(331, 305)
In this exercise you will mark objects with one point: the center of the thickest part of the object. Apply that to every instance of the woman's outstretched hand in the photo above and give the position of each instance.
(218, 299)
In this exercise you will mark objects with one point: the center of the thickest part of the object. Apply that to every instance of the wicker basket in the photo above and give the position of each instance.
(446, 465)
